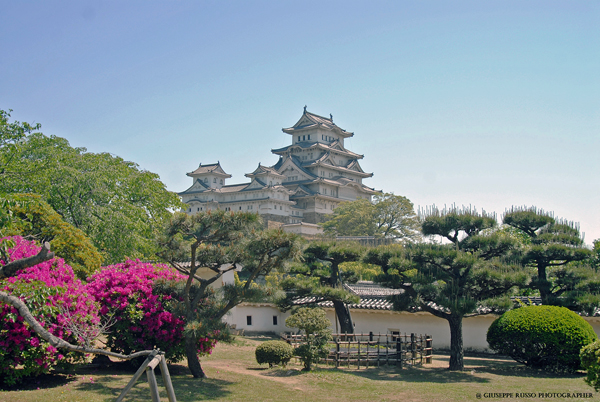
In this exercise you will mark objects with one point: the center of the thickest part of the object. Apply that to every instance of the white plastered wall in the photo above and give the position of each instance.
(380, 321)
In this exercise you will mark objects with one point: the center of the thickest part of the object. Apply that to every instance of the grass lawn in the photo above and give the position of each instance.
(234, 375)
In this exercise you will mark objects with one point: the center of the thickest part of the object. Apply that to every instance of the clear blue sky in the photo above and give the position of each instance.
(488, 103)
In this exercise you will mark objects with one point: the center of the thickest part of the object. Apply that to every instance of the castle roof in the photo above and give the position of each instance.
(264, 170)
(310, 121)
(213, 168)
(335, 147)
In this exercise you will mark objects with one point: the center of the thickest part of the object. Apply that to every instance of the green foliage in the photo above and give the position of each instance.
(595, 260)
(321, 277)
(395, 217)
(390, 216)
(315, 324)
(552, 249)
(35, 218)
(274, 352)
(217, 242)
(467, 277)
(352, 218)
(590, 361)
(547, 337)
(120, 207)
(359, 271)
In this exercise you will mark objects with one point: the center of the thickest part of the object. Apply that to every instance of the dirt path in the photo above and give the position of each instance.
(282, 375)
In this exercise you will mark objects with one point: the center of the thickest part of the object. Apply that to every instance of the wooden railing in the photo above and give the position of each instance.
(374, 350)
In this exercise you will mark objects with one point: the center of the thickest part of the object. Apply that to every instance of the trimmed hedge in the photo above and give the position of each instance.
(274, 352)
(547, 337)
(590, 361)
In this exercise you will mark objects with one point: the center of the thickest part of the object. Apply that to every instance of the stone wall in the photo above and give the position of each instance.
(315, 217)
(274, 219)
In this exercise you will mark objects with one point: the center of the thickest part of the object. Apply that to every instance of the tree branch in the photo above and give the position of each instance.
(56, 341)
(11, 268)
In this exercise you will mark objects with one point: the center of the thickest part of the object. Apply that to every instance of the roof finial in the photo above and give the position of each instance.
(304, 108)
(331, 117)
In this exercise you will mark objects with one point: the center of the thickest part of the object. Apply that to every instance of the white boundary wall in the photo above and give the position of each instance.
(378, 321)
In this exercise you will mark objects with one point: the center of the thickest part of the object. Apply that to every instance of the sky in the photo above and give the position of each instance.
(483, 103)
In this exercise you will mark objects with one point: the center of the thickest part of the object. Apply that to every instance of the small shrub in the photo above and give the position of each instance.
(546, 337)
(590, 361)
(315, 324)
(274, 352)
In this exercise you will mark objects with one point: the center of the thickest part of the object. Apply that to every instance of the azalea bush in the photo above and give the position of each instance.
(144, 317)
(57, 299)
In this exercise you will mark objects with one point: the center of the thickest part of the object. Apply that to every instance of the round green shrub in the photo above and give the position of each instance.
(590, 361)
(274, 352)
(546, 337)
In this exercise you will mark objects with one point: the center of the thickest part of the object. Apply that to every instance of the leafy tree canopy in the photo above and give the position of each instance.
(35, 219)
(117, 205)
(389, 216)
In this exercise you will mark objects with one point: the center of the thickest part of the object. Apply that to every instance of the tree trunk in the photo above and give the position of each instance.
(456, 343)
(543, 285)
(343, 314)
(191, 352)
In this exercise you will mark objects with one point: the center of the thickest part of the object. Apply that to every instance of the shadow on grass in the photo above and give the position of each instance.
(418, 374)
(44, 381)
(512, 368)
(186, 388)
(499, 366)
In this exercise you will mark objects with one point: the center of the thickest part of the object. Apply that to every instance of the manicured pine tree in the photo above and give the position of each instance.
(461, 278)
(220, 242)
(552, 248)
(320, 278)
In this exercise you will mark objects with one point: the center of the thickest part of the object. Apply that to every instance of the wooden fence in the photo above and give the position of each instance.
(374, 350)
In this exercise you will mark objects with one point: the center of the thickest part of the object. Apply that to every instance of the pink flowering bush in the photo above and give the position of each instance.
(144, 317)
(55, 298)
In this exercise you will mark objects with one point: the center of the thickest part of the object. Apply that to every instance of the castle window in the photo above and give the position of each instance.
(240, 208)
(248, 320)
(214, 180)
(198, 209)
(221, 181)
(298, 138)
(280, 208)
(303, 138)
(309, 137)
(274, 320)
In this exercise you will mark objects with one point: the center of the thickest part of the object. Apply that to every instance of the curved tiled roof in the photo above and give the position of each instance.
(372, 297)
(310, 120)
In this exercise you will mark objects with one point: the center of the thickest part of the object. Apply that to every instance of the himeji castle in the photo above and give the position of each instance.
(313, 175)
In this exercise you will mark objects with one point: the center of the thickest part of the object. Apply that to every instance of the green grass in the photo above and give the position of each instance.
(234, 375)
